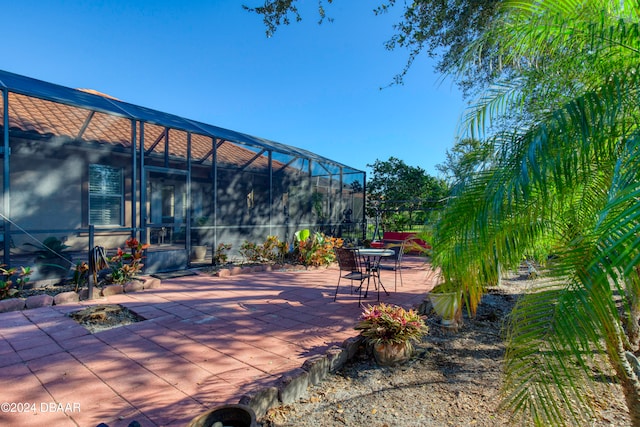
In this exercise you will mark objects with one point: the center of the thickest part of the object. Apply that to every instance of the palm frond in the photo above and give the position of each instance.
(569, 176)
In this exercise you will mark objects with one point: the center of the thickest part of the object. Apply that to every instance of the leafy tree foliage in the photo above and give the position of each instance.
(281, 12)
(440, 29)
(467, 157)
(398, 191)
(567, 174)
(443, 29)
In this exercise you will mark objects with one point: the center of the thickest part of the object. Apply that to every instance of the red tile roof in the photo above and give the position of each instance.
(44, 117)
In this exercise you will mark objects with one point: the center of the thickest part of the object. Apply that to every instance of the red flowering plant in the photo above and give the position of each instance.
(391, 324)
(125, 265)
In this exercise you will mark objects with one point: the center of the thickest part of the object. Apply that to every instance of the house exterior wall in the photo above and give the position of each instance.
(49, 193)
(180, 189)
(49, 196)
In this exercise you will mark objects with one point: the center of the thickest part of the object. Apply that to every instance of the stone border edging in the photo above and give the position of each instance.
(37, 301)
(293, 385)
(236, 270)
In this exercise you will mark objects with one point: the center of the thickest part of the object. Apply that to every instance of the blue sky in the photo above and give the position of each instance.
(312, 86)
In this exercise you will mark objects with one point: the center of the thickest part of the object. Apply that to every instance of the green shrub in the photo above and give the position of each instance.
(271, 250)
(11, 276)
(315, 249)
(220, 254)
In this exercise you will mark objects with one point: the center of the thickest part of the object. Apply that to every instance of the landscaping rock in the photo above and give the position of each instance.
(351, 346)
(11, 304)
(337, 357)
(318, 367)
(151, 282)
(37, 301)
(223, 272)
(293, 385)
(66, 298)
(236, 270)
(133, 286)
(261, 400)
(112, 290)
(84, 293)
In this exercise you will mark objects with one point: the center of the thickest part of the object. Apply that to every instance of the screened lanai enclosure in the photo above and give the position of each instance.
(92, 170)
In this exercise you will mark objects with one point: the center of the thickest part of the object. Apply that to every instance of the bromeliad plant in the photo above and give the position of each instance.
(126, 265)
(391, 324)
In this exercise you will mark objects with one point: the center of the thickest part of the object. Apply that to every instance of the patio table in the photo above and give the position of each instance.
(371, 259)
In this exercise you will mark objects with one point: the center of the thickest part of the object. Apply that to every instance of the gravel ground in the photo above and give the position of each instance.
(453, 380)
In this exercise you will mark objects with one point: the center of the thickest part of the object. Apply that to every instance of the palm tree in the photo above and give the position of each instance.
(566, 177)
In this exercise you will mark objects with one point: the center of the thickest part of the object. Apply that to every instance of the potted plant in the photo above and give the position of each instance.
(446, 300)
(199, 252)
(391, 331)
(52, 261)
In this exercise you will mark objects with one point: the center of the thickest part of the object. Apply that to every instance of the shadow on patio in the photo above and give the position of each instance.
(205, 341)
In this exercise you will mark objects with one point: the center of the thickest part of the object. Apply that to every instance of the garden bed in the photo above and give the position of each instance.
(454, 379)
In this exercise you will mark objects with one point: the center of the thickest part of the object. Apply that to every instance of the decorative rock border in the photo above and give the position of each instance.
(294, 384)
(36, 301)
(236, 270)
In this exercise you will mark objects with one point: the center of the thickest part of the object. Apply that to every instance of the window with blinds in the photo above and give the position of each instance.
(105, 195)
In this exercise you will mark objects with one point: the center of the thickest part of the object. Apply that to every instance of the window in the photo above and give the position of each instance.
(105, 195)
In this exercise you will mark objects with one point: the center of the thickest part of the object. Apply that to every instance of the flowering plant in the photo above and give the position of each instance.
(390, 324)
(127, 264)
(315, 249)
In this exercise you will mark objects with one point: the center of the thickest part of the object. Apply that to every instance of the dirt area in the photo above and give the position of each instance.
(106, 316)
(48, 289)
(453, 380)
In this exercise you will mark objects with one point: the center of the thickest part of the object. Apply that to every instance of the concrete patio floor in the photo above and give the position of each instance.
(206, 341)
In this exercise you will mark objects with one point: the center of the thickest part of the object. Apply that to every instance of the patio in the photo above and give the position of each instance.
(206, 341)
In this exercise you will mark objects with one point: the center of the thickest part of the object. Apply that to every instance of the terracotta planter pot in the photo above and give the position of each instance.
(388, 354)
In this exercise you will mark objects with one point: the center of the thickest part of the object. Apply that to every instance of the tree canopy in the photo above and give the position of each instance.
(398, 191)
(467, 157)
(440, 29)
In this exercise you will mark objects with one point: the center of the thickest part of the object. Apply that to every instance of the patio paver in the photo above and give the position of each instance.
(206, 342)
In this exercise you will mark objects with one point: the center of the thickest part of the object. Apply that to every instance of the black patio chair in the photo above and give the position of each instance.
(350, 268)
